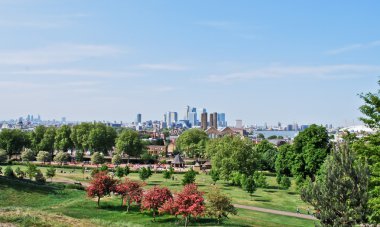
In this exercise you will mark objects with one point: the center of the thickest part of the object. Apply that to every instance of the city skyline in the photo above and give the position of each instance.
(256, 61)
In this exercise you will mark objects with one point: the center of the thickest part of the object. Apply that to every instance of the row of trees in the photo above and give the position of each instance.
(31, 171)
(160, 200)
(94, 137)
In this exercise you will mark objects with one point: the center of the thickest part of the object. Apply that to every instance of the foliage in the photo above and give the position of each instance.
(250, 185)
(27, 155)
(61, 157)
(63, 141)
(97, 158)
(285, 182)
(145, 173)
(101, 138)
(40, 177)
(119, 172)
(189, 202)
(192, 142)
(31, 170)
(371, 109)
(284, 159)
(8, 172)
(268, 154)
(189, 177)
(214, 175)
(104, 168)
(340, 190)
(43, 156)
(154, 198)
(116, 159)
(166, 174)
(230, 154)
(130, 191)
(19, 173)
(100, 186)
(260, 180)
(79, 154)
(50, 172)
(219, 205)
(13, 141)
(129, 142)
(48, 140)
(3, 156)
(80, 135)
(126, 170)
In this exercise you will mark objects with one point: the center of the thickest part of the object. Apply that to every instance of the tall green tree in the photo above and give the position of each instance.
(340, 191)
(129, 142)
(192, 142)
(101, 138)
(48, 140)
(13, 141)
(284, 160)
(36, 137)
(80, 135)
(268, 154)
(371, 109)
(63, 141)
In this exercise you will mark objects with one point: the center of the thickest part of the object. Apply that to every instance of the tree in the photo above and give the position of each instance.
(144, 173)
(214, 176)
(63, 141)
(101, 138)
(371, 109)
(50, 172)
(268, 153)
(19, 173)
(285, 182)
(192, 142)
(36, 137)
(260, 180)
(8, 172)
(154, 198)
(189, 177)
(166, 174)
(97, 158)
(130, 191)
(284, 160)
(340, 192)
(27, 155)
(79, 154)
(129, 142)
(119, 172)
(3, 156)
(80, 135)
(40, 177)
(232, 153)
(219, 205)
(31, 170)
(48, 140)
(116, 159)
(61, 157)
(250, 185)
(261, 136)
(100, 186)
(43, 156)
(104, 168)
(126, 170)
(13, 141)
(311, 147)
(189, 202)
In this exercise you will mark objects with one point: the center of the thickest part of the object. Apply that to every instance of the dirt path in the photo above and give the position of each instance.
(279, 212)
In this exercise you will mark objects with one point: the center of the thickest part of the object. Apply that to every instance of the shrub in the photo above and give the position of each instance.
(40, 177)
(116, 159)
(27, 155)
(61, 157)
(43, 156)
(119, 172)
(19, 173)
(285, 182)
(8, 172)
(104, 168)
(3, 156)
(97, 158)
(189, 177)
(260, 180)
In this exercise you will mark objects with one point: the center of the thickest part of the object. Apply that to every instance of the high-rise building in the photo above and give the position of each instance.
(186, 115)
(239, 124)
(211, 119)
(214, 120)
(204, 120)
(222, 120)
(193, 118)
(138, 118)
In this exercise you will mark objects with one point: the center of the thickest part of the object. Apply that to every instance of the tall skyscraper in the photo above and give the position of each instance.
(222, 120)
(193, 118)
(239, 124)
(186, 115)
(214, 120)
(138, 118)
(204, 120)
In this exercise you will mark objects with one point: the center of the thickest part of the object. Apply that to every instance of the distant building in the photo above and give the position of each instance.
(303, 127)
(171, 118)
(222, 120)
(214, 120)
(239, 124)
(289, 128)
(204, 120)
(138, 118)
(193, 118)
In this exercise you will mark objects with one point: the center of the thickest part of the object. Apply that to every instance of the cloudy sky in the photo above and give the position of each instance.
(260, 61)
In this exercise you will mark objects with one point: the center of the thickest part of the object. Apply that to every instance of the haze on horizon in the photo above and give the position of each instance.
(259, 61)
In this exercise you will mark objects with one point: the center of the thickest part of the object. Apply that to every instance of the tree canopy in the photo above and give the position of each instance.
(192, 142)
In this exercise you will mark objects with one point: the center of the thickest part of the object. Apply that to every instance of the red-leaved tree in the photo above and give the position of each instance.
(130, 191)
(154, 198)
(101, 185)
(189, 202)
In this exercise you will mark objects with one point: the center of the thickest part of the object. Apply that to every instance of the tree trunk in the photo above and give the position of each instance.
(98, 201)
(128, 204)
(154, 215)
(186, 221)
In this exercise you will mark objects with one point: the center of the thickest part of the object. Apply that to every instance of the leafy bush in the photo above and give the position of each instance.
(260, 180)
(40, 177)
(285, 182)
(189, 177)
(8, 172)
(3, 156)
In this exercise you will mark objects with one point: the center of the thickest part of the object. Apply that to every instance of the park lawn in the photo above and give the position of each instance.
(32, 205)
(272, 197)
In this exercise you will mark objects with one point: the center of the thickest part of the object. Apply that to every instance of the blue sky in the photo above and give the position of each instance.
(260, 61)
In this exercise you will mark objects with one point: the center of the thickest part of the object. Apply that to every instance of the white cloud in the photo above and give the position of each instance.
(73, 73)
(353, 47)
(321, 72)
(61, 53)
(165, 67)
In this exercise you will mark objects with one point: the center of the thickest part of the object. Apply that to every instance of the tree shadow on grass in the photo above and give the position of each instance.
(270, 191)
(272, 187)
(292, 193)
(29, 186)
(263, 200)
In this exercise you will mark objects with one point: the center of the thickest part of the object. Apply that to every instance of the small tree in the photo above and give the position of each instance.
(43, 156)
(8, 172)
(166, 175)
(260, 180)
(79, 154)
(31, 170)
(144, 173)
(126, 170)
(100, 186)
(171, 170)
(285, 182)
(119, 172)
(154, 198)
(27, 155)
(3, 156)
(116, 159)
(50, 172)
(189, 177)
(40, 177)
(104, 168)
(219, 205)
(19, 173)
(61, 157)
(130, 191)
(250, 186)
(214, 175)
(97, 158)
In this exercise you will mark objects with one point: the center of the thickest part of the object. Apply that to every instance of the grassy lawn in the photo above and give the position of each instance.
(31, 205)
